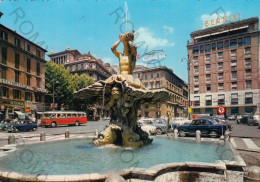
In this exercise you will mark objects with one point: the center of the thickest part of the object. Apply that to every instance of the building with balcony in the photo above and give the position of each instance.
(163, 77)
(224, 68)
(22, 74)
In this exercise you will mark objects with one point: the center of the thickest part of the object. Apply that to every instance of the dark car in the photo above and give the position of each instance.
(207, 126)
(220, 121)
(23, 125)
(5, 123)
(172, 125)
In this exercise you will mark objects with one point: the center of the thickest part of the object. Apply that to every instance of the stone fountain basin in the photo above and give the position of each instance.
(218, 169)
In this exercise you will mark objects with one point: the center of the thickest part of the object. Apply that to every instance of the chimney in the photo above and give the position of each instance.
(1, 14)
(88, 52)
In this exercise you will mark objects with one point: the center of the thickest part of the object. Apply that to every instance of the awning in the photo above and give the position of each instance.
(20, 114)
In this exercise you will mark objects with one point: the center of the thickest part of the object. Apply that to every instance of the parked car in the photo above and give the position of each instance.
(207, 126)
(171, 126)
(220, 121)
(6, 122)
(22, 125)
(232, 117)
(160, 127)
(248, 119)
(150, 129)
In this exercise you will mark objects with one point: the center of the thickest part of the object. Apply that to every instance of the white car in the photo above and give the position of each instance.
(151, 130)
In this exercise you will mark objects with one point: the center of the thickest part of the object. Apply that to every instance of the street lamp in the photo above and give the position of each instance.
(53, 93)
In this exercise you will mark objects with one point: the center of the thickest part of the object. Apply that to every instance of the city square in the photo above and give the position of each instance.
(104, 95)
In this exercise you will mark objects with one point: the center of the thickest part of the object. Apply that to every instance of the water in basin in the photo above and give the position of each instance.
(82, 156)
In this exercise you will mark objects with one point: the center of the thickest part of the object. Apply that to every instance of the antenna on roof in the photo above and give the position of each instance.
(1, 14)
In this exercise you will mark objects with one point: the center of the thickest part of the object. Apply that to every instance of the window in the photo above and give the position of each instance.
(17, 75)
(151, 85)
(248, 83)
(28, 65)
(196, 87)
(38, 69)
(207, 48)
(145, 76)
(234, 75)
(208, 99)
(207, 67)
(249, 98)
(4, 55)
(3, 72)
(196, 79)
(208, 77)
(249, 109)
(234, 110)
(38, 80)
(248, 51)
(233, 65)
(240, 42)
(220, 76)
(221, 99)
(220, 55)
(233, 53)
(196, 50)
(208, 88)
(221, 87)
(5, 92)
(38, 98)
(220, 45)
(17, 42)
(195, 59)
(220, 66)
(233, 43)
(248, 73)
(234, 99)
(196, 69)
(233, 85)
(196, 100)
(226, 44)
(247, 62)
(207, 57)
(202, 49)
(145, 85)
(213, 46)
(158, 75)
(28, 96)
(138, 75)
(247, 41)
(28, 48)
(38, 53)
(158, 84)
(28, 80)
(151, 75)
(17, 94)
(17, 60)
(4, 35)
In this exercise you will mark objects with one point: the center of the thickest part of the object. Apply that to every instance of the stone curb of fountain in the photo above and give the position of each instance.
(138, 172)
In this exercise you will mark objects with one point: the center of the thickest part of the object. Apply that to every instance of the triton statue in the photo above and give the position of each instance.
(123, 94)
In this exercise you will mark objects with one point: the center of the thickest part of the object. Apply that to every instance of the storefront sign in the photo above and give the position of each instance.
(221, 20)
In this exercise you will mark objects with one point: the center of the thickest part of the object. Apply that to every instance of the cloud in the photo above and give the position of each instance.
(168, 29)
(107, 60)
(146, 38)
(207, 17)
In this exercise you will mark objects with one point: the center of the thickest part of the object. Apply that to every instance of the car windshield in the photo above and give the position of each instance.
(214, 121)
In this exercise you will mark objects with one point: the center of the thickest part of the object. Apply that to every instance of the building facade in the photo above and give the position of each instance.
(223, 64)
(22, 74)
(163, 77)
(87, 64)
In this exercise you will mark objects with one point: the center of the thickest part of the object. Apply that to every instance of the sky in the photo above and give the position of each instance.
(95, 25)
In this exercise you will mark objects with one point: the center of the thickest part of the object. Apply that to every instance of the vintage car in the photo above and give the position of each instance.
(171, 126)
(4, 123)
(232, 117)
(160, 127)
(207, 127)
(150, 129)
(220, 121)
(22, 125)
(248, 119)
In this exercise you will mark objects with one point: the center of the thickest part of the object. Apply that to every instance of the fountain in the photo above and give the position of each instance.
(123, 94)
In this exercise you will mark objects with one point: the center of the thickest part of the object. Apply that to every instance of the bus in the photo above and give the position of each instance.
(55, 118)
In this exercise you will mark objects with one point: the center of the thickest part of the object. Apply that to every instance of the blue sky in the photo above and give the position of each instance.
(89, 25)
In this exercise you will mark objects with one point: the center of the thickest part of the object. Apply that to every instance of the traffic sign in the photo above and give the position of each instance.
(189, 110)
(221, 110)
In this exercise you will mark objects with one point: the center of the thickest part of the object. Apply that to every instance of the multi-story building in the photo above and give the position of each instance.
(22, 74)
(163, 77)
(224, 69)
(86, 64)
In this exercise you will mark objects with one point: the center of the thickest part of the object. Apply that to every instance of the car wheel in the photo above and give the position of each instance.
(159, 131)
(53, 124)
(76, 123)
(213, 134)
(182, 133)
